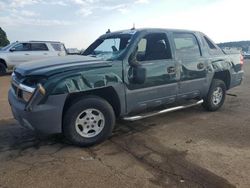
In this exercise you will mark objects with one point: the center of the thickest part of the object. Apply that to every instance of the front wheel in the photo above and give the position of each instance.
(2, 69)
(216, 95)
(89, 121)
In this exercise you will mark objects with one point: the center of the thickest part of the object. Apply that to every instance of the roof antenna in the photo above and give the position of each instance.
(133, 28)
(108, 31)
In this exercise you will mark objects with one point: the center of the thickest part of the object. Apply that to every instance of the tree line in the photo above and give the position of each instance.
(3, 38)
(238, 44)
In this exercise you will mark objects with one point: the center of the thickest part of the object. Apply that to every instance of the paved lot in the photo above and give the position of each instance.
(4, 105)
(189, 148)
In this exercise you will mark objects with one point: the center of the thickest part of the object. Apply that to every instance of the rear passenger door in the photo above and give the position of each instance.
(191, 65)
(39, 51)
(154, 54)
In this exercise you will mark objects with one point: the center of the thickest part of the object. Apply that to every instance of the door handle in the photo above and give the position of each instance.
(200, 66)
(45, 54)
(171, 70)
(26, 54)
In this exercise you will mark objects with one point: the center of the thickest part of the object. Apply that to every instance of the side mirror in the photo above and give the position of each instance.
(13, 49)
(137, 74)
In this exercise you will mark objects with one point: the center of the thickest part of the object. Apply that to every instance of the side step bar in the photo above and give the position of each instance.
(134, 118)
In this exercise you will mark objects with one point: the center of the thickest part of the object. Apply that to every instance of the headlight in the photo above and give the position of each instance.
(34, 80)
(28, 89)
(26, 96)
(35, 97)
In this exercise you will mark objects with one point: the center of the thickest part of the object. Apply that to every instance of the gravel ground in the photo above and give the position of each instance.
(188, 148)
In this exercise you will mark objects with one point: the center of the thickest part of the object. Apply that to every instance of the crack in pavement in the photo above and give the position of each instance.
(173, 166)
(169, 167)
(113, 169)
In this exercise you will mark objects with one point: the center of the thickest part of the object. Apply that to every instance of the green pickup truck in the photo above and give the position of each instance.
(130, 74)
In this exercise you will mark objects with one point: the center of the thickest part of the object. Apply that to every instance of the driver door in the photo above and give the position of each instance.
(160, 87)
(20, 54)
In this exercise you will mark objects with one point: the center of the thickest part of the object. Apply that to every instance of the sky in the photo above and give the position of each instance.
(77, 23)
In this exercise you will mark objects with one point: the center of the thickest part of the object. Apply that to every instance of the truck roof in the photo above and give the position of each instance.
(133, 31)
(40, 41)
(45, 41)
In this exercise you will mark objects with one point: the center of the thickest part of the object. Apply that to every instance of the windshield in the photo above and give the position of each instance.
(7, 47)
(109, 48)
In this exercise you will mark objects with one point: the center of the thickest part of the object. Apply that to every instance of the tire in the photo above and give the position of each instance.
(216, 96)
(88, 121)
(2, 69)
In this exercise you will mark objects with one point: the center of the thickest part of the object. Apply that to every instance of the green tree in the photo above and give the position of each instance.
(3, 38)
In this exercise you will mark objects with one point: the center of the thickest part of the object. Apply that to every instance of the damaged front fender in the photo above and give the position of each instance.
(85, 82)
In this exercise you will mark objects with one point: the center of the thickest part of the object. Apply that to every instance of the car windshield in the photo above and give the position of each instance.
(7, 47)
(109, 48)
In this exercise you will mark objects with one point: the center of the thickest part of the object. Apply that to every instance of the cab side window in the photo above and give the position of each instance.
(57, 46)
(212, 49)
(186, 45)
(210, 43)
(153, 46)
(22, 47)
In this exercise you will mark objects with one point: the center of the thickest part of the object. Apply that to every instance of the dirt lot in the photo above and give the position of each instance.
(189, 148)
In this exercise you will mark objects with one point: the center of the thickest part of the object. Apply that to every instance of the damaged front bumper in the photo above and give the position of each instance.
(46, 117)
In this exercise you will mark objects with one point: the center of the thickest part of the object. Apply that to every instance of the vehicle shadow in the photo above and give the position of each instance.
(168, 166)
(6, 74)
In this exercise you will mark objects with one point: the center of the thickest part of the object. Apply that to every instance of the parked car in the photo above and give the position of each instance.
(130, 74)
(73, 51)
(20, 52)
(246, 55)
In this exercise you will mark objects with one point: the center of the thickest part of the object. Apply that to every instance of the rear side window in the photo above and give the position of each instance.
(39, 47)
(57, 46)
(210, 43)
(186, 45)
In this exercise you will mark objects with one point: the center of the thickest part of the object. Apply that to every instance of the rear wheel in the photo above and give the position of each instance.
(89, 121)
(2, 69)
(216, 95)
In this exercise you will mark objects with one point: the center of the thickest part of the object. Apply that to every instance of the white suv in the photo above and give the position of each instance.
(20, 52)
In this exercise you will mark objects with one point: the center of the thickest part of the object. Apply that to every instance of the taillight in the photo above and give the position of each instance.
(241, 59)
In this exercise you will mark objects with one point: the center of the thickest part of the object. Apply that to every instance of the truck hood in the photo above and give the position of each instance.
(55, 65)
